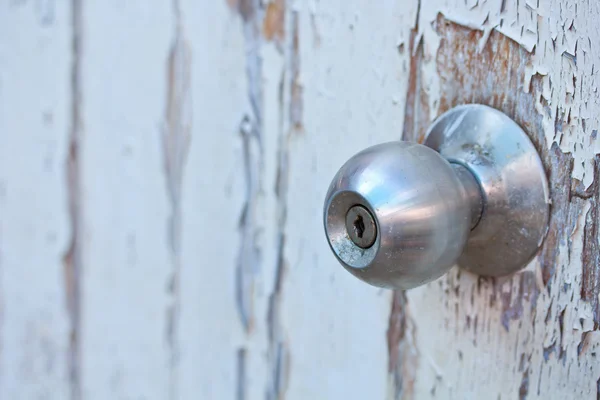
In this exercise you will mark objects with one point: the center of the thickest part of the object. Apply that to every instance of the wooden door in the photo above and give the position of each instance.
(162, 174)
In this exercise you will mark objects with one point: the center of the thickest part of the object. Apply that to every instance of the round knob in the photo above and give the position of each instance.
(401, 214)
(398, 214)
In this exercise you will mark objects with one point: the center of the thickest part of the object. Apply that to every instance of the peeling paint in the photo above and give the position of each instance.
(278, 349)
(248, 255)
(274, 21)
(543, 315)
(251, 133)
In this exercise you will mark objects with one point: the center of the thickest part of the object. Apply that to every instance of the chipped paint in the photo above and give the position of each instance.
(560, 41)
(274, 21)
(251, 132)
(505, 59)
(278, 353)
(323, 79)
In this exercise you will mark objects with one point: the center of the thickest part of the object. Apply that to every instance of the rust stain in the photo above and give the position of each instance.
(278, 353)
(251, 132)
(274, 21)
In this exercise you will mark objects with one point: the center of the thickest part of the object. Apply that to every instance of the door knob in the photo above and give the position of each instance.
(401, 214)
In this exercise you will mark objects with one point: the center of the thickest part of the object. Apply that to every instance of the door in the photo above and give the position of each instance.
(162, 175)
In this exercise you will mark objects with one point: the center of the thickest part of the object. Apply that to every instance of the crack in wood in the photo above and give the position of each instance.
(251, 127)
(176, 140)
(72, 259)
(241, 378)
(279, 355)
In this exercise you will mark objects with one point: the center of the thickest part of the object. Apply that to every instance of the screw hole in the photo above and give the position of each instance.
(359, 226)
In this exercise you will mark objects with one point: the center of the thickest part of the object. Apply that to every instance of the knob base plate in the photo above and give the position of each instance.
(513, 183)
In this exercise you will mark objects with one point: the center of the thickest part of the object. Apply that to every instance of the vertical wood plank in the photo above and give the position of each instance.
(127, 279)
(35, 97)
(351, 96)
(211, 338)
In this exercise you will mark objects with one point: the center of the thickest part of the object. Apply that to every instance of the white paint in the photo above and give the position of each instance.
(126, 259)
(34, 226)
(329, 328)
(556, 32)
(210, 332)
(465, 362)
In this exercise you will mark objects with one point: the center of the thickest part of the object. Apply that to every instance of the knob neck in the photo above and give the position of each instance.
(472, 192)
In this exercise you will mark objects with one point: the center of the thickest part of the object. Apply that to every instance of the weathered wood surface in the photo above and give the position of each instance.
(162, 172)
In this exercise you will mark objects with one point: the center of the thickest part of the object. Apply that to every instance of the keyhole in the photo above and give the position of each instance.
(359, 226)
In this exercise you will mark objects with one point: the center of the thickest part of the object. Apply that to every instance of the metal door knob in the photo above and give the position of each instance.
(401, 214)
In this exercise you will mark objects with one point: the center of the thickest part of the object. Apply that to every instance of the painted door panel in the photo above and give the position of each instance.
(162, 174)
